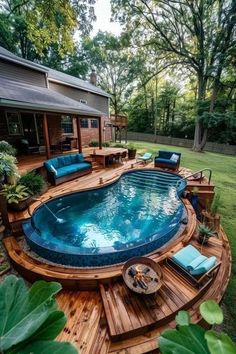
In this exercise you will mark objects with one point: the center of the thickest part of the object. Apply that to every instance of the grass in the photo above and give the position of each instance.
(224, 177)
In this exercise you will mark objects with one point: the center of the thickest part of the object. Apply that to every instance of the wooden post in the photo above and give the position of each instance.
(79, 134)
(46, 135)
(100, 132)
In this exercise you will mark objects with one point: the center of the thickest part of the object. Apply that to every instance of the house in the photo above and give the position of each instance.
(43, 107)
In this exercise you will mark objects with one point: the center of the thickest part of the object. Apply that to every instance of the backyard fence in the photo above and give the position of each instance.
(167, 140)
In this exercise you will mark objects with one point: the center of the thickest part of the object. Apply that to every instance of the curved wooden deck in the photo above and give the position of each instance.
(106, 317)
(112, 319)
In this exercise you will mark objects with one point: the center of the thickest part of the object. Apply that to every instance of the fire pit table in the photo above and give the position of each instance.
(142, 275)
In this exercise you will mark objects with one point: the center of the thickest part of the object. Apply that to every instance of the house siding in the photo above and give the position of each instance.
(93, 100)
(16, 72)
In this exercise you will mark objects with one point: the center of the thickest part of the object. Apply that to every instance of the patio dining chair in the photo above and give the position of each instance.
(144, 158)
(193, 266)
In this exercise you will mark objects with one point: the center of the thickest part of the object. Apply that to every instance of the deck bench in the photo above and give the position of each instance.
(67, 167)
(168, 159)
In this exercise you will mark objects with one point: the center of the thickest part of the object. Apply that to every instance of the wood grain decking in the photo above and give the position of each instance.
(103, 315)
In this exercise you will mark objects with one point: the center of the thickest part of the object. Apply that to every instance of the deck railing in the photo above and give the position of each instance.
(200, 177)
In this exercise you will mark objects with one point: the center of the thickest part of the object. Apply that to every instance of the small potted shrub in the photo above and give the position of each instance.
(131, 151)
(34, 183)
(17, 196)
(204, 233)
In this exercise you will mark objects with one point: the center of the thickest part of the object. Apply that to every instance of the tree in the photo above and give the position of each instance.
(36, 25)
(117, 68)
(198, 34)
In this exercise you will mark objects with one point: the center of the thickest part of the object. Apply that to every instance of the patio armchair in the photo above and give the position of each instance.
(193, 266)
(144, 158)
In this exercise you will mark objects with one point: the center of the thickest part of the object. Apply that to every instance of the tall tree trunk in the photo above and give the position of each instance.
(200, 132)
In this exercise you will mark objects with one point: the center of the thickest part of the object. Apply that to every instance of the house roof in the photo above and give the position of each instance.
(68, 80)
(53, 75)
(16, 94)
(5, 54)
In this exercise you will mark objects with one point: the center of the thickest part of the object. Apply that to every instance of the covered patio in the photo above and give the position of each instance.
(42, 110)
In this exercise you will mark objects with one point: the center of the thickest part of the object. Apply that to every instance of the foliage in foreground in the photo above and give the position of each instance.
(30, 320)
(190, 338)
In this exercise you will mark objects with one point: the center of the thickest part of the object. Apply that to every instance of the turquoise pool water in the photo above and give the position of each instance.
(142, 207)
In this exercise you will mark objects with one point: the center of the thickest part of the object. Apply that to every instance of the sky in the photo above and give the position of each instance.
(102, 10)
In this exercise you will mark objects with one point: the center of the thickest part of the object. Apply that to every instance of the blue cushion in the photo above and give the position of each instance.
(185, 256)
(165, 161)
(204, 266)
(196, 262)
(66, 170)
(167, 154)
(80, 157)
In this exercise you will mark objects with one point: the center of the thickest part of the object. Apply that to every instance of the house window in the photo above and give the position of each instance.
(67, 124)
(84, 123)
(94, 123)
(14, 123)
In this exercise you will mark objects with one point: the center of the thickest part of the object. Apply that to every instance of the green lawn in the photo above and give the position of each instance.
(224, 177)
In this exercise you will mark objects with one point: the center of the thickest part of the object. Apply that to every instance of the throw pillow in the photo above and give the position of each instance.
(174, 157)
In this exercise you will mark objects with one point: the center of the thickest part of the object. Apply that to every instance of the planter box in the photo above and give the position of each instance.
(131, 154)
(21, 205)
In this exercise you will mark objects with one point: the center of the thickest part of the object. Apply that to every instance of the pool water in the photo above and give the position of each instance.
(138, 209)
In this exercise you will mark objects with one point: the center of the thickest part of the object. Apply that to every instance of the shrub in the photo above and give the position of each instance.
(15, 192)
(31, 318)
(7, 165)
(33, 182)
(94, 143)
(7, 148)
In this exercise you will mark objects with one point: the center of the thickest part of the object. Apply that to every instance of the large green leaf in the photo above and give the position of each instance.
(219, 343)
(13, 294)
(26, 317)
(211, 312)
(182, 318)
(184, 340)
(47, 347)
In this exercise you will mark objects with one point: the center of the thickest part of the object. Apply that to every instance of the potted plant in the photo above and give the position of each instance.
(204, 233)
(34, 183)
(7, 166)
(131, 151)
(17, 196)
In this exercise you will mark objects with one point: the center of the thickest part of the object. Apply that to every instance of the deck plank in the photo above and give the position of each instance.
(85, 327)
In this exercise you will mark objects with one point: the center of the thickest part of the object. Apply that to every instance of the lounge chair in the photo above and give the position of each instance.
(147, 156)
(193, 266)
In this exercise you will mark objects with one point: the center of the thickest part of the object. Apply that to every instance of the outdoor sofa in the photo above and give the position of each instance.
(168, 159)
(67, 167)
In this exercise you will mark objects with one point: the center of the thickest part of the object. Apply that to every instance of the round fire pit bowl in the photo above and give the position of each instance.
(142, 275)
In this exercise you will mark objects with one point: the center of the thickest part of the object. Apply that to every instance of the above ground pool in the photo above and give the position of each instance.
(131, 217)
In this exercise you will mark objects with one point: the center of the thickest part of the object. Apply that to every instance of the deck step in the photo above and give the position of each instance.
(129, 314)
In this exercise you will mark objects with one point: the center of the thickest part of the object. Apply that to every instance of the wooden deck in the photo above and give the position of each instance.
(104, 316)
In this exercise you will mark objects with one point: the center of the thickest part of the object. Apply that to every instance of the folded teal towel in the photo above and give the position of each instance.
(196, 262)
(204, 266)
